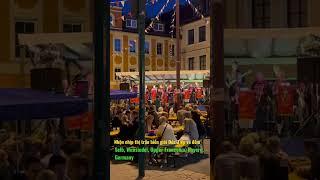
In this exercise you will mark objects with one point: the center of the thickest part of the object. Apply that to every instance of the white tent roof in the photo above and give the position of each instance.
(74, 45)
(185, 75)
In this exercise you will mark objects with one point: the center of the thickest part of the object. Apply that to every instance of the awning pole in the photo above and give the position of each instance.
(141, 31)
(178, 61)
(217, 84)
(101, 151)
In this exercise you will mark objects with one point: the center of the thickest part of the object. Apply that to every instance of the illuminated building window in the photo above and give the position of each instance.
(191, 36)
(158, 27)
(117, 45)
(203, 62)
(132, 46)
(131, 23)
(159, 48)
(191, 63)
(115, 73)
(202, 33)
(146, 47)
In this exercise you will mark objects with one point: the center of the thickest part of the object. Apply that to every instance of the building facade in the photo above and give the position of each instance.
(35, 16)
(74, 16)
(259, 34)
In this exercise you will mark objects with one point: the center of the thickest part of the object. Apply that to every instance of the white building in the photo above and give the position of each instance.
(257, 43)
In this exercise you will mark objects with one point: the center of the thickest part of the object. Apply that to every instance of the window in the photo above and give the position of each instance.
(191, 36)
(131, 23)
(115, 73)
(297, 13)
(23, 28)
(132, 46)
(159, 49)
(117, 45)
(261, 13)
(111, 20)
(132, 70)
(171, 50)
(202, 33)
(158, 27)
(191, 63)
(203, 62)
(146, 47)
(70, 28)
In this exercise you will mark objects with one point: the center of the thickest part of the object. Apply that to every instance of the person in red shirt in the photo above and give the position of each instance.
(260, 87)
(187, 95)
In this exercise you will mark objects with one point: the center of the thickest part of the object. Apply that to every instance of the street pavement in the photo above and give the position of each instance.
(199, 170)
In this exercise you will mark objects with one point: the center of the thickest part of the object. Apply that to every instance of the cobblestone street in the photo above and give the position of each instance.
(199, 170)
(129, 172)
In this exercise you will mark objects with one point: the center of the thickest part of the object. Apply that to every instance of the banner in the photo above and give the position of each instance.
(134, 100)
(83, 121)
(247, 105)
(187, 94)
(199, 93)
(153, 94)
(285, 100)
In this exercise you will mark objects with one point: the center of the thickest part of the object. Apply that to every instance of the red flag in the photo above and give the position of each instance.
(285, 100)
(247, 108)
(83, 121)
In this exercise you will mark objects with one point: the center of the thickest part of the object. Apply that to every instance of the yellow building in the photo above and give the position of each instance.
(35, 16)
(74, 16)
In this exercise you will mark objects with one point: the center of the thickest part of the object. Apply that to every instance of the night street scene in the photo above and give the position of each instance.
(160, 90)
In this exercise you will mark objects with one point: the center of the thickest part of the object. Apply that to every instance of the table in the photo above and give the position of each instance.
(151, 137)
(115, 132)
(174, 118)
(178, 129)
(203, 119)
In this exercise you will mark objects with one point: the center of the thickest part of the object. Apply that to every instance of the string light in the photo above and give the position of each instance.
(157, 17)
(198, 13)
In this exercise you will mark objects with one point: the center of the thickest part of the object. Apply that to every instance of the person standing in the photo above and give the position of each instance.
(260, 87)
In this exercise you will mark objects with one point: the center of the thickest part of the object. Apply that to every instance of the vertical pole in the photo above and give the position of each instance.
(216, 78)
(107, 85)
(178, 61)
(22, 65)
(101, 166)
(141, 30)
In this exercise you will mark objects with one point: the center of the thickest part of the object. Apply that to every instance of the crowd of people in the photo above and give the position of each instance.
(156, 120)
(35, 159)
(258, 157)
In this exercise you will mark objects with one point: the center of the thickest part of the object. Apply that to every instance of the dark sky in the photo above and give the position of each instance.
(152, 9)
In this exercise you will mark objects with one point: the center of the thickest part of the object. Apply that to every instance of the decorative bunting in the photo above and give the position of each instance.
(157, 17)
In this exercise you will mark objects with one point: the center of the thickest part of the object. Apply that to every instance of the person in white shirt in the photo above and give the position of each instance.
(165, 131)
(190, 127)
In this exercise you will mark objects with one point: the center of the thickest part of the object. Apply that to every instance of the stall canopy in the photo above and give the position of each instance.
(166, 76)
(76, 46)
(26, 104)
(119, 94)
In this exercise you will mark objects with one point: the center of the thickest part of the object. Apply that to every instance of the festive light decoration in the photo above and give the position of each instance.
(198, 13)
(157, 17)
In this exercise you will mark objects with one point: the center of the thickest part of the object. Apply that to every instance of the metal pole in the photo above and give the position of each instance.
(101, 165)
(217, 82)
(141, 30)
(107, 86)
(178, 61)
